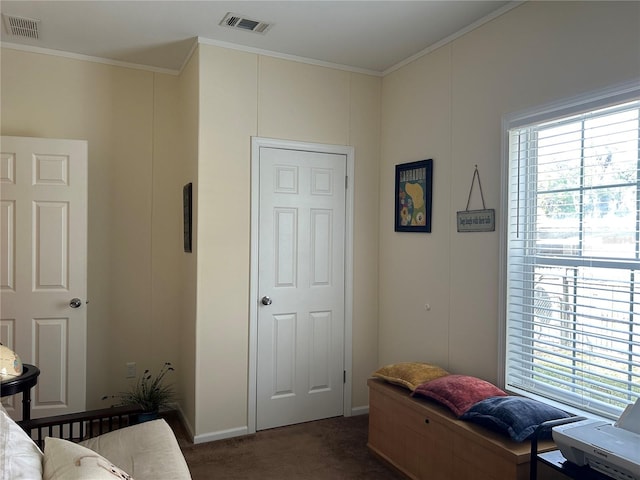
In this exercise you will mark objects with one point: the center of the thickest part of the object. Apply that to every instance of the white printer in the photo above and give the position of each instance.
(613, 450)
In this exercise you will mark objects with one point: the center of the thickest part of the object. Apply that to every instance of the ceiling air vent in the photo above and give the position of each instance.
(239, 22)
(21, 26)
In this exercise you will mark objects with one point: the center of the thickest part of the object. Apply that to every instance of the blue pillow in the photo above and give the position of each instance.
(517, 416)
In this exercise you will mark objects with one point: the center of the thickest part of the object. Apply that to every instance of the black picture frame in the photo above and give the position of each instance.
(187, 204)
(414, 191)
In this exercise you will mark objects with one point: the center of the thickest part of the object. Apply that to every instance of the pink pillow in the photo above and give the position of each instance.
(458, 392)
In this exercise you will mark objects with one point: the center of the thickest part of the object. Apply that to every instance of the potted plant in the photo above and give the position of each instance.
(149, 392)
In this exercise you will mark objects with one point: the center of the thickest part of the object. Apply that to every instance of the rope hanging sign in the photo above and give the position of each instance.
(476, 220)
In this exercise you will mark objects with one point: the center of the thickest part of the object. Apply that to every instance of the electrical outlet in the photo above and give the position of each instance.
(131, 369)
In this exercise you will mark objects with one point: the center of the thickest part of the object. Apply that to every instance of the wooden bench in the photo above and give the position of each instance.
(425, 440)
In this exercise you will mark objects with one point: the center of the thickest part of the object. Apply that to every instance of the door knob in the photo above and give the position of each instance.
(75, 303)
(266, 300)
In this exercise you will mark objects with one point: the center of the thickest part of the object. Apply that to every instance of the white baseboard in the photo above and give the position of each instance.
(221, 435)
(364, 410)
(211, 436)
(238, 431)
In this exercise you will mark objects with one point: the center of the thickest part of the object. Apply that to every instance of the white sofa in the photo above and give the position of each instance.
(145, 451)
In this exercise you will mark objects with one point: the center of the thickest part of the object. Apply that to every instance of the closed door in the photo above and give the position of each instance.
(43, 267)
(300, 328)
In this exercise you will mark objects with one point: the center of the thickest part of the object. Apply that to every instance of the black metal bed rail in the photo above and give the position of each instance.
(539, 431)
(79, 426)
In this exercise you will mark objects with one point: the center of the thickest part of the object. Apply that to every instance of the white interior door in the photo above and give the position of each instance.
(301, 280)
(43, 267)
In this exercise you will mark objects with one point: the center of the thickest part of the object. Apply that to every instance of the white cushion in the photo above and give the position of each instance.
(64, 460)
(148, 451)
(20, 457)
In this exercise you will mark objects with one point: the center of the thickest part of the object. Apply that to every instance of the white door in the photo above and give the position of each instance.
(301, 266)
(43, 267)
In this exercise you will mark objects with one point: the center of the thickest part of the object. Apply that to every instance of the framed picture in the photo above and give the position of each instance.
(187, 215)
(413, 196)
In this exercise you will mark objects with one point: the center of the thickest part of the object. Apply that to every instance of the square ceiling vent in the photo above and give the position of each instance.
(239, 22)
(21, 26)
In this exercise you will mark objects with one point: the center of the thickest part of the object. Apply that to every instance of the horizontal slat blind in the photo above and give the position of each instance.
(573, 259)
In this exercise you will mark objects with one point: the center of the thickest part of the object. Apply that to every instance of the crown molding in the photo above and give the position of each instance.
(284, 56)
(87, 58)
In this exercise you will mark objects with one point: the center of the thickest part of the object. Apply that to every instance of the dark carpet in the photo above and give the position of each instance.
(335, 448)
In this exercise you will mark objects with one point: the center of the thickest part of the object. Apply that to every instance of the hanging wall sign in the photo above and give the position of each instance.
(476, 220)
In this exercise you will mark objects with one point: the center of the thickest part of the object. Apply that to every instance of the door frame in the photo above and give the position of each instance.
(256, 144)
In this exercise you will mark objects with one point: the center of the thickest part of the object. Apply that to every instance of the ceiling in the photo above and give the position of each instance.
(369, 36)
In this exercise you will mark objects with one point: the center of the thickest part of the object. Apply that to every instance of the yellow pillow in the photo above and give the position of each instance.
(410, 374)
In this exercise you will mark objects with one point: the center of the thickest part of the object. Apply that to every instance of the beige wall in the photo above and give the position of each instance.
(448, 106)
(316, 104)
(135, 228)
(173, 275)
(243, 95)
(149, 134)
(364, 135)
(186, 164)
(227, 121)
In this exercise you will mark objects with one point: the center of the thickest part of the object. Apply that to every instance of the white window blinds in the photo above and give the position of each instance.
(573, 259)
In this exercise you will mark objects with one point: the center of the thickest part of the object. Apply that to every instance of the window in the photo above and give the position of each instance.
(572, 254)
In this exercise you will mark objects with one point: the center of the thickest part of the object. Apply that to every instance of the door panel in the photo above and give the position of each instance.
(51, 224)
(300, 350)
(43, 255)
(321, 247)
(285, 244)
(284, 335)
(7, 253)
(319, 351)
(51, 337)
